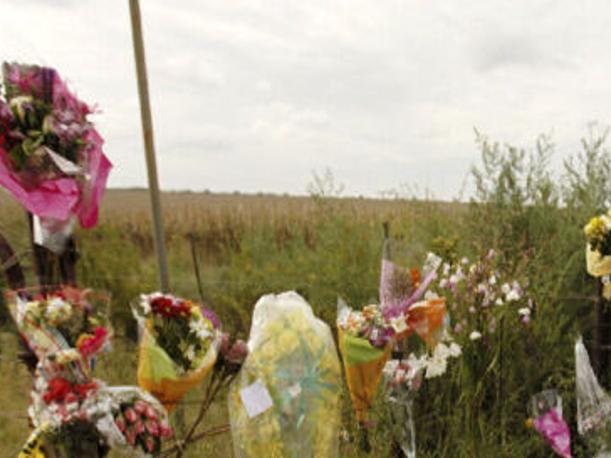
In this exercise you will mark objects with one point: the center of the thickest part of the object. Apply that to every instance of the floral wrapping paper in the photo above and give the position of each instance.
(292, 353)
(158, 374)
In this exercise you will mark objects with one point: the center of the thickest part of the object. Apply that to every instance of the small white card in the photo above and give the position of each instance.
(256, 399)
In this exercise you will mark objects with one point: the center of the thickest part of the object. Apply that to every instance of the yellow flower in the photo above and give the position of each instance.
(529, 423)
(595, 229)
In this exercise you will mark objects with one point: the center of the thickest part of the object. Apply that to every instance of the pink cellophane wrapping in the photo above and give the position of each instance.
(67, 196)
(555, 431)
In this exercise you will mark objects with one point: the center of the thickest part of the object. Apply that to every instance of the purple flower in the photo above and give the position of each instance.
(210, 315)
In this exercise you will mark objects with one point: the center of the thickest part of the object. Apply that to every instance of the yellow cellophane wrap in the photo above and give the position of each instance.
(599, 266)
(293, 354)
(362, 377)
(158, 375)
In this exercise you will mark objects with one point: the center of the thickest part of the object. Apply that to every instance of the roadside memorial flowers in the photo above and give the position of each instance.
(598, 251)
(593, 403)
(403, 378)
(367, 337)
(65, 403)
(60, 319)
(285, 402)
(546, 411)
(178, 347)
(51, 157)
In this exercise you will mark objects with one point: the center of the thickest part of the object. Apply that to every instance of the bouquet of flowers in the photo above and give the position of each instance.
(403, 378)
(593, 403)
(285, 402)
(598, 252)
(51, 156)
(55, 319)
(546, 409)
(178, 346)
(65, 401)
(366, 337)
(365, 342)
(139, 418)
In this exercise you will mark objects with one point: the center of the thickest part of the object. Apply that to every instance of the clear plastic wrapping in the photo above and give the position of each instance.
(285, 401)
(593, 404)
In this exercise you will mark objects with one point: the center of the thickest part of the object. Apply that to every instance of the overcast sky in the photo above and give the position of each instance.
(255, 95)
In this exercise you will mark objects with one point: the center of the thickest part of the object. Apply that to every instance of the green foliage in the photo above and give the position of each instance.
(331, 246)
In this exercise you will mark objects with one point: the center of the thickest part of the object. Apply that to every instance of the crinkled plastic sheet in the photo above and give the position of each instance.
(593, 403)
(293, 356)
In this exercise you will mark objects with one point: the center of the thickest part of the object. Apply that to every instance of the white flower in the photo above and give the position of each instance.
(443, 283)
(390, 367)
(145, 304)
(190, 353)
(492, 279)
(455, 350)
(524, 311)
(513, 295)
(475, 335)
(436, 366)
(398, 324)
(464, 260)
(430, 296)
(505, 288)
(446, 268)
(499, 301)
(441, 351)
(200, 329)
(472, 269)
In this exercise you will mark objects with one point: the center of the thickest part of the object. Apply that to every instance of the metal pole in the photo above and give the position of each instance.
(149, 145)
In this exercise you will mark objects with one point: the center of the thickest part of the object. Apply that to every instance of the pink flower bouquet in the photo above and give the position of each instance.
(51, 157)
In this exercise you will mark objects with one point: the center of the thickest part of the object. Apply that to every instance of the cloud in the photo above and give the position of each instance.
(254, 95)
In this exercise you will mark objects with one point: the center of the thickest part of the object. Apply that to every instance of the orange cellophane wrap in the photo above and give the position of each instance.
(426, 319)
(168, 388)
(363, 378)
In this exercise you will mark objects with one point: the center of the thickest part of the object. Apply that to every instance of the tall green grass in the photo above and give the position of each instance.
(325, 246)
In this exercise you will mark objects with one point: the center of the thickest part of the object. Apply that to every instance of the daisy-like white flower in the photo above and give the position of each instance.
(475, 335)
(499, 301)
(435, 367)
(200, 329)
(398, 324)
(506, 288)
(524, 311)
(513, 296)
(492, 279)
(455, 350)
